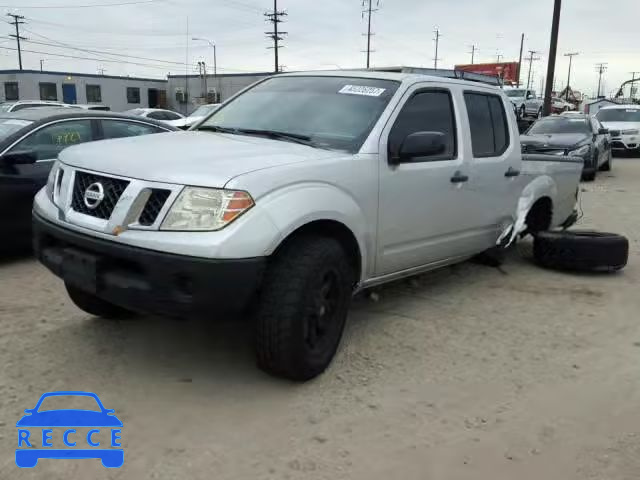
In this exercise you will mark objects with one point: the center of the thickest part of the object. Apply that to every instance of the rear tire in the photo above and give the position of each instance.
(303, 308)
(577, 250)
(95, 306)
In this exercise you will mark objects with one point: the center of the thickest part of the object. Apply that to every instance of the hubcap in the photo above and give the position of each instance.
(323, 306)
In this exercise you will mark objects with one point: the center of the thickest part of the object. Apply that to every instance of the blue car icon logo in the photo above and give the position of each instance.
(40, 428)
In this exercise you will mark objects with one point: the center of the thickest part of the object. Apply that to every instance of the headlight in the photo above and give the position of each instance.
(206, 209)
(51, 180)
(579, 152)
(631, 132)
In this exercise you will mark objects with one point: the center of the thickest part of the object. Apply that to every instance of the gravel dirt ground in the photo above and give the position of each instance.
(470, 372)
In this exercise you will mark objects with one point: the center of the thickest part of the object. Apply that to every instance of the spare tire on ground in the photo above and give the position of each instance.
(581, 250)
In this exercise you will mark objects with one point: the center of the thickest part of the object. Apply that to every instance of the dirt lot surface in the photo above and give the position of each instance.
(466, 373)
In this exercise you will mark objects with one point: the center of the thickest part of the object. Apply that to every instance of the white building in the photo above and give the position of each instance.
(119, 93)
(187, 92)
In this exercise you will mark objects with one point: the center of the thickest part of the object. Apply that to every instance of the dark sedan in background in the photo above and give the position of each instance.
(30, 141)
(576, 135)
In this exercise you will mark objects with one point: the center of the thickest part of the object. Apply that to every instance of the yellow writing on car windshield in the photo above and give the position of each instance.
(67, 138)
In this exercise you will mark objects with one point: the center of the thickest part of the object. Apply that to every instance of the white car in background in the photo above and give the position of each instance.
(166, 116)
(15, 106)
(198, 114)
(623, 123)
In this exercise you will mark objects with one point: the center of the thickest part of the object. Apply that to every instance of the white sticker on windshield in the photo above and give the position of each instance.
(22, 123)
(362, 90)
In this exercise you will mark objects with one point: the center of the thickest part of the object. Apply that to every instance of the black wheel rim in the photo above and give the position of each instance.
(321, 319)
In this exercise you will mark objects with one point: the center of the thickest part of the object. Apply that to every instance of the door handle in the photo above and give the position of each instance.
(459, 177)
(512, 172)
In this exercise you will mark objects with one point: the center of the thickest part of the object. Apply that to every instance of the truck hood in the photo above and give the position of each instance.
(206, 159)
(560, 140)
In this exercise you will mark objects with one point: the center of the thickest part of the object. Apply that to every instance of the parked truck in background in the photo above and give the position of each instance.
(295, 194)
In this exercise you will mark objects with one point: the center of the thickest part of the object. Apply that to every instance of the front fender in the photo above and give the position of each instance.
(295, 206)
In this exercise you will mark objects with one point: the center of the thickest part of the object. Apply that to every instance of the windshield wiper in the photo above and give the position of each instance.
(274, 134)
(216, 128)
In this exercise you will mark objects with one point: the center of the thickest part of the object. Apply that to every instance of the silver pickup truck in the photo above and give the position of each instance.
(295, 194)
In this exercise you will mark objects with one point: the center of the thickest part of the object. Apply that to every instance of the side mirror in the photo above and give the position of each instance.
(29, 410)
(603, 131)
(420, 144)
(19, 158)
(529, 96)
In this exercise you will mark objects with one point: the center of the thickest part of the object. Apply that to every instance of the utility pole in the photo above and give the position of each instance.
(368, 10)
(499, 57)
(41, 62)
(520, 60)
(532, 57)
(600, 68)
(437, 40)
(551, 64)
(631, 87)
(473, 51)
(275, 35)
(570, 55)
(17, 21)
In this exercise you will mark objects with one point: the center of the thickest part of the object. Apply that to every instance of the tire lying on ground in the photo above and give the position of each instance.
(581, 250)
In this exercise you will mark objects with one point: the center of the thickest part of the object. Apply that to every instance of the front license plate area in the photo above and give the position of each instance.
(80, 269)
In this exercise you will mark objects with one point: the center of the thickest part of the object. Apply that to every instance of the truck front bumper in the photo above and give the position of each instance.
(146, 281)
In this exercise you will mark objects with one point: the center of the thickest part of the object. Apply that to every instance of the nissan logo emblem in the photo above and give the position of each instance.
(93, 195)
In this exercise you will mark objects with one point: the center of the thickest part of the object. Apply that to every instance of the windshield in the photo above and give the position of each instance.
(560, 125)
(619, 115)
(6, 106)
(9, 126)
(514, 93)
(334, 112)
(135, 111)
(203, 110)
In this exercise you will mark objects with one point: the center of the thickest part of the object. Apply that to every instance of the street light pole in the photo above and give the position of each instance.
(215, 61)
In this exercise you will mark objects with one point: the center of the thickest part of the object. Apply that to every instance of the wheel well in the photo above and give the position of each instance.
(331, 229)
(540, 215)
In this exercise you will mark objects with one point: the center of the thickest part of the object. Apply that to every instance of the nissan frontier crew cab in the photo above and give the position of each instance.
(295, 194)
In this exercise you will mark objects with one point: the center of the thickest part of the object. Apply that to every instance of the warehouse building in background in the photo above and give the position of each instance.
(187, 92)
(179, 92)
(118, 93)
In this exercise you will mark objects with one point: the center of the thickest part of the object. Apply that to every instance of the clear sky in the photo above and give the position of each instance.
(323, 35)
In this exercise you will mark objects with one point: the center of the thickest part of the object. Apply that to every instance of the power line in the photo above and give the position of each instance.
(135, 2)
(59, 44)
(437, 40)
(17, 21)
(274, 17)
(369, 11)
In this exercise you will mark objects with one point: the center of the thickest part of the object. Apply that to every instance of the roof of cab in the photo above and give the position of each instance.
(621, 107)
(384, 74)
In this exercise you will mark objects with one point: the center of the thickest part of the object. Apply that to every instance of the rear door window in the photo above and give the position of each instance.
(488, 123)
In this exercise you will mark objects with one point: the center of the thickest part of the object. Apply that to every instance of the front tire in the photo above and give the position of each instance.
(303, 308)
(95, 306)
(606, 166)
